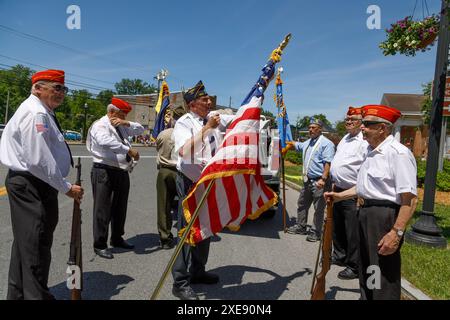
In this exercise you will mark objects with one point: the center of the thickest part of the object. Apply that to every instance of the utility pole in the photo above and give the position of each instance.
(7, 107)
(84, 127)
(425, 231)
(229, 105)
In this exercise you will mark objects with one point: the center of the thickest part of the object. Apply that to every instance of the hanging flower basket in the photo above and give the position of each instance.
(408, 36)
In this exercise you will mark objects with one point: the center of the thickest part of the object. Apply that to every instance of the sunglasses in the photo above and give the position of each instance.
(367, 123)
(352, 120)
(59, 88)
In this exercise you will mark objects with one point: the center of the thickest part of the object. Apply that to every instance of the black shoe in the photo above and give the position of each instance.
(296, 230)
(168, 244)
(122, 244)
(104, 253)
(312, 237)
(347, 274)
(206, 278)
(184, 293)
(337, 262)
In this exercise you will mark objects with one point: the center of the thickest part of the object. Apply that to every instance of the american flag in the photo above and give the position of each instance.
(41, 127)
(239, 191)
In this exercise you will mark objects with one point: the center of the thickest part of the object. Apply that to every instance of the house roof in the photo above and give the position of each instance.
(405, 103)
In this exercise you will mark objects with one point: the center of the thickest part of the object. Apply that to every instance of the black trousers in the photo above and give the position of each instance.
(34, 216)
(345, 233)
(110, 189)
(374, 223)
(191, 261)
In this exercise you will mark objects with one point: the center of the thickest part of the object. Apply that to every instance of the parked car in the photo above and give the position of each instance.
(72, 135)
(2, 126)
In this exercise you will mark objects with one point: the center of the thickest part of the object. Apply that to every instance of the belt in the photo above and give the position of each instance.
(21, 173)
(377, 203)
(105, 166)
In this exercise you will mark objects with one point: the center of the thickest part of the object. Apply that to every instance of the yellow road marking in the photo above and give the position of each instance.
(3, 191)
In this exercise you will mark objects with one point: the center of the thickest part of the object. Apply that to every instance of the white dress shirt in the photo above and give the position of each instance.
(192, 164)
(105, 144)
(32, 142)
(350, 154)
(389, 170)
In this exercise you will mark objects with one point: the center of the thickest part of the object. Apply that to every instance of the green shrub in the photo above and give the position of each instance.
(294, 157)
(442, 179)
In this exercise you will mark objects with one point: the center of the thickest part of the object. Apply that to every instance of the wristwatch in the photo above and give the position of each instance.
(399, 232)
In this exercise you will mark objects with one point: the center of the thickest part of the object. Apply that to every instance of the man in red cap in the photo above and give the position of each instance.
(114, 158)
(387, 191)
(350, 154)
(34, 150)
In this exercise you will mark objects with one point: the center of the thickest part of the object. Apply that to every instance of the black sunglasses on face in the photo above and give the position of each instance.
(59, 88)
(367, 123)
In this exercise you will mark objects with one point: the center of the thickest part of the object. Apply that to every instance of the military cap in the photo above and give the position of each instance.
(195, 92)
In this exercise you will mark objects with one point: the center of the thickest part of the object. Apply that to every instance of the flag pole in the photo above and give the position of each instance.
(282, 114)
(181, 242)
(284, 193)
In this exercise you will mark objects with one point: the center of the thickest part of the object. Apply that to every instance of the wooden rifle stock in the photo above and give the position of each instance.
(318, 287)
(75, 256)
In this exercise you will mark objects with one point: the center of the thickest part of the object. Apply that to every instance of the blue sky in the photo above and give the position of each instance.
(333, 60)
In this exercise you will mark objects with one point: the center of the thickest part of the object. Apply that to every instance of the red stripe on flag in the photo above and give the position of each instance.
(248, 204)
(241, 138)
(232, 196)
(260, 202)
(249, 114)
(239, 164)
(214, 217)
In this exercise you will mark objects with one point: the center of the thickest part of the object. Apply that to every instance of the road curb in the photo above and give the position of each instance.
(411, 292)
(292, 185)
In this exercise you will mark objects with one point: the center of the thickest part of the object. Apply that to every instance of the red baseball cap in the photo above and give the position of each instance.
(354, 111)
(121, 104)
(48, 75)
(384, 112)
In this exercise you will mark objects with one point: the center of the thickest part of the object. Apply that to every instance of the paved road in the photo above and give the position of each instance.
(259, 262)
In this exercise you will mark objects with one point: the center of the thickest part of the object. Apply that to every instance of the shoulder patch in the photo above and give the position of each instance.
(41, 123)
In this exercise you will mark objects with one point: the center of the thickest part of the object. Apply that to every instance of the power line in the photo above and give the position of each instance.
(66, 48)
(131, 99)
(38, 65)
(76, 83)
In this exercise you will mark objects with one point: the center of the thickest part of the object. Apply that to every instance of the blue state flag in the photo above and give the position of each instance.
(160, 124)
(284, 129)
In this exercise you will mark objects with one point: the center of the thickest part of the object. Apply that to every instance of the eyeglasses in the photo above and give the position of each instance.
(59, 88)
(351, 119)
(367, 123)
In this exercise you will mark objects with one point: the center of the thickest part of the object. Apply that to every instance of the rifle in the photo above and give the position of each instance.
(318, 284)
(75, 256)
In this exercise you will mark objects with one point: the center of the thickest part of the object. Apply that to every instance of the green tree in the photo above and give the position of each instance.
(426, 104)
(17, 81)
(268, 114)
(104, 97)
(304, 122)
(136, 86)
(340, 128)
